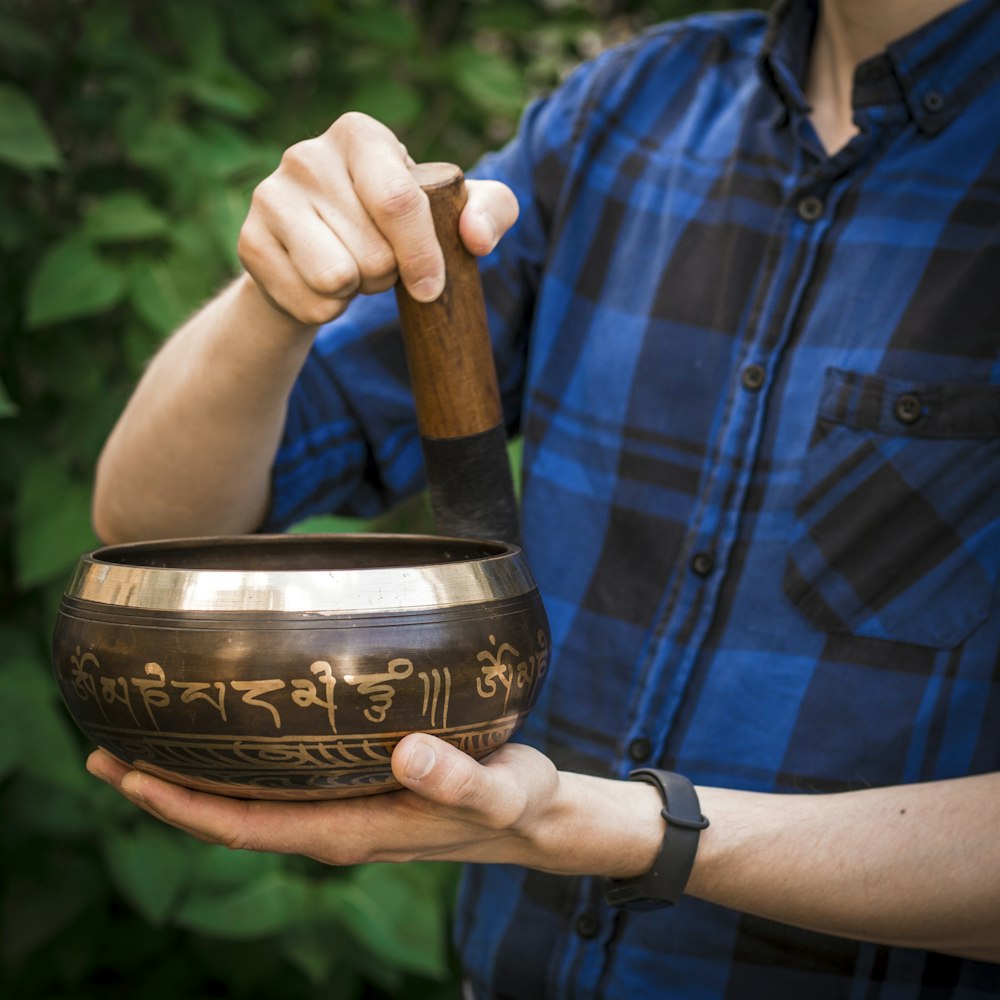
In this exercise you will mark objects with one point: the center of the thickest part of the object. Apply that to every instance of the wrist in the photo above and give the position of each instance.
(665, 881)
(596, 826)
(264, 313)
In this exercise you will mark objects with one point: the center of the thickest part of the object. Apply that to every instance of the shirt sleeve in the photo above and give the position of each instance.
(350, 443)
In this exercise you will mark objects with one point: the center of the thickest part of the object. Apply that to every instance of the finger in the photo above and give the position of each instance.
(490, 211)
(370, 253)
(497, 793)
(213, 818)
(319, 256)
(331, 832)
(396, 205)
(109, 769)
(269, 264)
(289, 216)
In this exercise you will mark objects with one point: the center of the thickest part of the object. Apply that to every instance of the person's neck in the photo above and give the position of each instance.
(848, 33)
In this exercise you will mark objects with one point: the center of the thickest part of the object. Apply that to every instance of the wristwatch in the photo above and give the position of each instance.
(664, 883)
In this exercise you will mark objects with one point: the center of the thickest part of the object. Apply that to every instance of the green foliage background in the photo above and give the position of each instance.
(131, 136)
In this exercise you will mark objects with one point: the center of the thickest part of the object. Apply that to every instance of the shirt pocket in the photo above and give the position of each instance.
(897, 525)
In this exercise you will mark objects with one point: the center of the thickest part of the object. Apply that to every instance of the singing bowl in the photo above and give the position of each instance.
(289, 666)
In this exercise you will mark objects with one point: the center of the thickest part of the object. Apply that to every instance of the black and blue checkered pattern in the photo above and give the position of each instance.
(759, 389)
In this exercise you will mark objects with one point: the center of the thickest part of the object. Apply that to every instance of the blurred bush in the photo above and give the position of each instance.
(131, 136)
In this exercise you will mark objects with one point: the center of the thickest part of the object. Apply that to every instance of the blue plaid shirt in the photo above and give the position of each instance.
(759, 389)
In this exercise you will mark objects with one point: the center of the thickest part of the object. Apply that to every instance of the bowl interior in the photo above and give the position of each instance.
(257, 553)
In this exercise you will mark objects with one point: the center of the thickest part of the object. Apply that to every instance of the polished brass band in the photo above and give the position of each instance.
(365, 573)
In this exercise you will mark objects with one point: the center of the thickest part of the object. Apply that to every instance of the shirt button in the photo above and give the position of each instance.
(753, 377)
(933, 100)
(702, 563)
(587, 925)
(640, 749)
(809, 208)
(908, 409)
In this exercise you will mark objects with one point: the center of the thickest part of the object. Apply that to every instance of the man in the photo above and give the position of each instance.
(748, 324)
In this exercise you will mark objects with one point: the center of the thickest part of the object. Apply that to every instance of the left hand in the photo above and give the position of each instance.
(515, 807)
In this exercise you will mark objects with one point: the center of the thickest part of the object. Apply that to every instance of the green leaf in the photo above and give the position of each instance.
(47, 748)
(508, 17)
(158, 145)
(140, 342)
(265, 906)
(227, 92)
(383, 27)
(226, 209)
(391, 102)
(151, 866)
(15, 229)
(488, 80)
(218, 870)
(38, 904)
(88, 422)
(8, 408)
(515, 453)
(160, 295)
(219, 150)
(25, 139)
(72, 281)
(55, 812)
(317, 950)
(399, 913)
(323, 524)
(10, 741)
(53, 522)
(19, 39)
(124, 216)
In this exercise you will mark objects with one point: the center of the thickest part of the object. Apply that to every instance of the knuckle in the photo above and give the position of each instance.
(462, 786)
(239, 835)
(400, 198)
(419, 264)
(298, 158)
(514, 812)
(334, 280)
(315, 313)
(248, 247)
(378, 262)
(236, 841)
(351, 123)
(263, 196)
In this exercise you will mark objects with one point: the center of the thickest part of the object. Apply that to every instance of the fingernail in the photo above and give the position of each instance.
(420, 762)
(130, 787)
(491, 229)
(427, 289)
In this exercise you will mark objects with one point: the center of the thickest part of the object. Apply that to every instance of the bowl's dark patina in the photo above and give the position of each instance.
(290, 666)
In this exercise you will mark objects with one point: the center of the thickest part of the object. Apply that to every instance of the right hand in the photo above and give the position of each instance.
(342, 215)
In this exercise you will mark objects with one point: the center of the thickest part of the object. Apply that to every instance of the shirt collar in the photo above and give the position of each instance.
(934, 71)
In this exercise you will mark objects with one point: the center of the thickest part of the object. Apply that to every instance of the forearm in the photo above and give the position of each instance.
(193, 450)
(912, 865)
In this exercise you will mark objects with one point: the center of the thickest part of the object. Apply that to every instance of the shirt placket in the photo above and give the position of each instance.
(806, 212)
(811, 193)
(800, 225)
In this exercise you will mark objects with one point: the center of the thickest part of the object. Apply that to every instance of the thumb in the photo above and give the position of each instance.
(440, 772)
(490, 211)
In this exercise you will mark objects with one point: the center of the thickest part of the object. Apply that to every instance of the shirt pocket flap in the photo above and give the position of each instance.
(897, 527)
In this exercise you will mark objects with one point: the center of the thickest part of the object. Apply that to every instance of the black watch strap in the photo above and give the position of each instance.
(664, 883)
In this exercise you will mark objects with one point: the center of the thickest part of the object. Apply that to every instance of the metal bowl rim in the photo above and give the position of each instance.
(421, 586)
